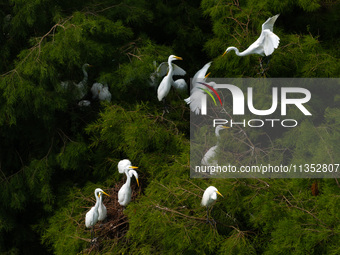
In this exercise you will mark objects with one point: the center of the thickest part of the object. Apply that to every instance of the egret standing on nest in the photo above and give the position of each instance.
(264, 45)
(92, 216)
(209, 198)
(102, 211)
(167, 82)
(124, 194)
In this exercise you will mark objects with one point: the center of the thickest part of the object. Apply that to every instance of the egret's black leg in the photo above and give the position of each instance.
(264, 63)
(166, 110)
(213, 220)
(207, 215)
(261, 67)
(92, 234)
(267, 58)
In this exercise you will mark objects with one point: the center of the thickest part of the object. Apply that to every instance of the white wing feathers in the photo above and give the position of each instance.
(163, 68)
(200, 74)
(270, 42)
(180, 84)
(177, 70)
(269, 24)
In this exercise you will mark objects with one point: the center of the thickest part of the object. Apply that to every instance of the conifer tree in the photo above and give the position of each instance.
(54, 153)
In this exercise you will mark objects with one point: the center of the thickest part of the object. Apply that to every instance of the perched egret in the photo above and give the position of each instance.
(104, 94)
(167, 82)
(197, 91)
(92, 216)
(180, 84)
(265, 44)
(101, 92)
(102, 211)
(95, 89)
(124, 194)
(209, 198)
(125, 164)
(81, 87)
(208, 158)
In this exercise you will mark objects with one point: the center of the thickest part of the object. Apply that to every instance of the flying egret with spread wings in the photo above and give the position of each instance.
(265, 44)
(198, 89)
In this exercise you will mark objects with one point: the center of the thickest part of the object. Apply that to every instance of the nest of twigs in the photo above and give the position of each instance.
(116, 224)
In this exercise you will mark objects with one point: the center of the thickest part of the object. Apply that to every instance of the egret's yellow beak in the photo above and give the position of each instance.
(207, 75)
(134, 167)
(225, 127)
(90, 66)
(105, 194)
(224, 53)
(137, 182)
(179, 58)
(219, 193)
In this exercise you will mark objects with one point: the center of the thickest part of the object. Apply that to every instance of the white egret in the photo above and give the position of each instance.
(124, 194)
(104, 94)
(156, 74)
(81, 87)
(197, 91)
(209, 156)
(209, 198)
(95, 89)
(92, 216)
(180, 84)
(101, 92)
(265, 44)
(102, 211)
(125, 164)
(84, 103)
(167, 82)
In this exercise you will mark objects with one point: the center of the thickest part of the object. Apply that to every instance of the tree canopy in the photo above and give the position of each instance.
(54, 153)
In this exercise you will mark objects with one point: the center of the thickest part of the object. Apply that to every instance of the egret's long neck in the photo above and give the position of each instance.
(237, 52)
(100, 199)
(217, 132)
(85, 75)
(170, 67)
(128, 178)
(97, 202)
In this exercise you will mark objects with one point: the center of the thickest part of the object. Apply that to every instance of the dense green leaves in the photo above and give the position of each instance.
(54, 153)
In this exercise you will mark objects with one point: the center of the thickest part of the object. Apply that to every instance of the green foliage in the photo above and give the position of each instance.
(53, 153)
